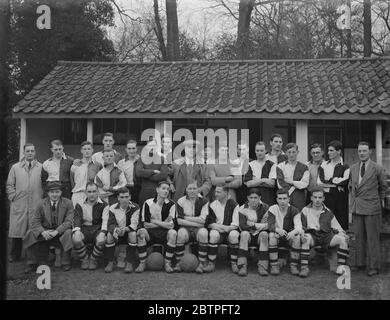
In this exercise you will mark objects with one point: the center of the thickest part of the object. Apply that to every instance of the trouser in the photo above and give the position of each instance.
(337, 202)
(16, 248)
(367, 234)
(89, 235)
(216, 238)
(129, 238)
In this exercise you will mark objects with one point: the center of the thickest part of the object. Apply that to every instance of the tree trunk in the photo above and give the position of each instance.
(244, 18)
(173, 49)
(159, 33)
(349, 34)
(367, 28)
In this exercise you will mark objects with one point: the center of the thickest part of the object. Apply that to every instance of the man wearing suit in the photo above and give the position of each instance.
(50, 225)
(368, 187)
(187, 170)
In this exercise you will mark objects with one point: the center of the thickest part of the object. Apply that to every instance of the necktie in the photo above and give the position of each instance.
(363, 169)
(53, 206)
(29, 165)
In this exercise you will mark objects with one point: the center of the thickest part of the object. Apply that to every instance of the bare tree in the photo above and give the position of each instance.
(367, 28)
(173, 48)
(159, 31)
(245, 9)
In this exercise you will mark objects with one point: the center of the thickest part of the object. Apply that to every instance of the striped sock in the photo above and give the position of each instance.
(233, 252)
(169, 252)
(342, 256)
(202, 252)
(273, 255)
(305, 253)
(212, 252)
(110, 251)
(81, 252)
(97, 252)
(131, 250)
(294, 256)
(179, 252)
(142, 253)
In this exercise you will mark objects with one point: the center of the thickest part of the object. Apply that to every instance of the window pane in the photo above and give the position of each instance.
(75, 131)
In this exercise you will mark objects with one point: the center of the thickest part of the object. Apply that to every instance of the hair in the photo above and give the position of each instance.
(161, 183)
(108, 150)
(91, 183)
(335, 144)
(315, 146)
(364, 143)
(56, 142)
(122, 190)
(28, 144)
(282, 191)
(192, 181)
(223, 186)
(291, 145)
(85, 143)
(108, 134)
(317, 189)
(131, 141)
(260, 143)
(253, 190)
(275, 135)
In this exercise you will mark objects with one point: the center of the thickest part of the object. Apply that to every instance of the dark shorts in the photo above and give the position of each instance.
(254, 240)
(321, 239)
(158, 235)
(90, 233)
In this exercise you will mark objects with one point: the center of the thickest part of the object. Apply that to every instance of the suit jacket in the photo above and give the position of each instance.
(180, 179)
(366, 197)
(41, 220)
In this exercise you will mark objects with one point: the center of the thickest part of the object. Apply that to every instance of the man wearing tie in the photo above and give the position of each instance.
(368, 187)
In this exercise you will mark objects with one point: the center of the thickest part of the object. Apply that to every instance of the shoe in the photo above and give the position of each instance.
(210, 267)
(85, 263)
(234, 267)
(128, 268)
(31, 268)
(304, 272)
(141, 267)
(262, 270)
(110, 267)
(275, 270)
(92, 264)
(168, 267)
(372, 272)
(57, 261)
(177, 268)
(66, 267)
(121, 263)
(294, 270)
(243, 272)
(200, 268)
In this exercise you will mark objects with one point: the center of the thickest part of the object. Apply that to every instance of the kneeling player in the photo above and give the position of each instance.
(121, 226)
(321, 229)
(87, 226)
(192, 212)
(250, 217)
(158, 216)
(222, 221)
(282, 233)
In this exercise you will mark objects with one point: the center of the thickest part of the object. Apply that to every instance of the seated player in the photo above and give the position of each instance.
(87, 225)
(282, 233)
(110, 178)
(192, 211)
(250, 216)
(121, 224)
(158, 221)
(321, 228)
(222, 222)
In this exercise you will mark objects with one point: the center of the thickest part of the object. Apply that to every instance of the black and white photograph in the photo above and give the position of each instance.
(217, 151)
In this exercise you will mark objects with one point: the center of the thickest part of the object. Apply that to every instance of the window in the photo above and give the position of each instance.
(74, 131)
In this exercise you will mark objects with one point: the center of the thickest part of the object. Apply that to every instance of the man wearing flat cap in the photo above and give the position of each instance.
(50, 225)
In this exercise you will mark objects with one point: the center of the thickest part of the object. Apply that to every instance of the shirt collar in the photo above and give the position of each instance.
(131, 205)
(24, 162)
(155, 200)
(63, 157)
(135, 159)
(341, 161)
(98, 200)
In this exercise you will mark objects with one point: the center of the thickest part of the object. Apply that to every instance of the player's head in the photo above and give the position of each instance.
(242, 150)
(57, 148)
(108, 140)
(316, 152)
(131, 148)
(292, 151)
(317, 197)
(166, 142)
(260, 150)
(163, 189)
(108, 156)
(86, 149)
(276, 142)
(253, 196)
(192, 189)
(123, 197)
(334, 149)
(223, 152)
(282, 198)
(221, 192)
(364, 151)
(29, 151)
(91, 190)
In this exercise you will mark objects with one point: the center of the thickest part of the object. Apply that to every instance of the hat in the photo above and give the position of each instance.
(53, 185)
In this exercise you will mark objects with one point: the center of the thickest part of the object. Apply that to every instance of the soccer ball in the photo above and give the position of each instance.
(155, 261)
(189, 262)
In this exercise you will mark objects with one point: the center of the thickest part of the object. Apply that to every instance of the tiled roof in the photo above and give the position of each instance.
(339, 86)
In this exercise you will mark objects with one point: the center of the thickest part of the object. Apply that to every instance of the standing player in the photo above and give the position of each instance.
(321, 229)
(158, 221)
(87, 225)
(317, 158)
(294, 176)
(108, 144)
(276, 155)
(222, 222)
(252, 234)
(333, 176)
(242, 166)
(191, 216)
(110, 178)
(262, 175)
(121, 224)
(82, 172)
(283, 233)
